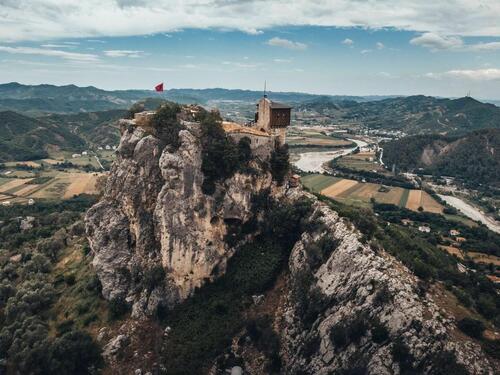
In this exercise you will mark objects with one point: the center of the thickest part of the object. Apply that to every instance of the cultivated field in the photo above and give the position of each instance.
(484, 258)
(363, 161)
(361, 193)
(62, 185)
(419, 198)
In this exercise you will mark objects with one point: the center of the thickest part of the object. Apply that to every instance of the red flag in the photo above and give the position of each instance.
(159, 87)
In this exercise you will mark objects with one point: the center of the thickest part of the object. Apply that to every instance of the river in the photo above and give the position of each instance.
(471, 212)
(313, 161)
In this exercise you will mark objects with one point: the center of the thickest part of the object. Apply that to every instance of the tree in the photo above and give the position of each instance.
(75, 353)
(471, 327)
(280, 163)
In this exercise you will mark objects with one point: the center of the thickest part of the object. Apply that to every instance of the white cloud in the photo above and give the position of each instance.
(50, 45)
(123, 53)
(74, 56)
(348, 42)
(285, 43)
(437, 42)
(379, 45)
(366, 51)
(475, 75)
(282, 61)
(51, 19)
(240, 65)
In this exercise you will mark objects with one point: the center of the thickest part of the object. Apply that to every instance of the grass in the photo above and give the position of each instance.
(318, 182)
(404, 198)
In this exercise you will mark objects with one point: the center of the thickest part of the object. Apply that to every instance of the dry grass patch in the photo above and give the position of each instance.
(15, 183)
(452, 251)
(484, 258)
(338, 188)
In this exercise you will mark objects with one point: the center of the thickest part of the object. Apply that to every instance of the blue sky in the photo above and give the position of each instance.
(418, 50)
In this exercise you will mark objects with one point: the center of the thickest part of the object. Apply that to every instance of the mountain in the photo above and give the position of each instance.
(414, 114)
(95, 128)
(474, 157)
(25, 138)
(37, 99)
(260, 275)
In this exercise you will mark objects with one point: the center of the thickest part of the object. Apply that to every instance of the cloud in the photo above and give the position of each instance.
(123, 53)
(282, 61)
(285, 43)
(22, 20)
(50, 45)
(74, 56)
(348, 42)
(436, 42)
(379, 45)
(366, 51)
(241, 65)
(474, 75)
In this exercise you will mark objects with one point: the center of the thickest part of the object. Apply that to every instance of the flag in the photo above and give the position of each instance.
(159, 87)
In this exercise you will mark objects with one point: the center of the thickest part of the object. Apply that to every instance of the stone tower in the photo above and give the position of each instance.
(273, 118)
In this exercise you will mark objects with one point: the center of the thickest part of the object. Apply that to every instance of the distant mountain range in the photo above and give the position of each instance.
(474, 157)
(413, 114)
(73, 99)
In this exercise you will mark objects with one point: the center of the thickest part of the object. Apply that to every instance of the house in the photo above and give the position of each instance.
(454, 232)
(460, 239)
(31, 202)
(424, 229)
(6, 203)
(100, 148)
(85, 153)
(75, 156)
(406, 222)
(108, 147)
(294, 181)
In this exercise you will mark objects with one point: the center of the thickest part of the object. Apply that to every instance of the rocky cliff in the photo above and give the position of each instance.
(370, 313)
(341, 305)
(155, 235)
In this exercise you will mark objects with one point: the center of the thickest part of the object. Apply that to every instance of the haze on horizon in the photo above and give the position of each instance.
(338, 47)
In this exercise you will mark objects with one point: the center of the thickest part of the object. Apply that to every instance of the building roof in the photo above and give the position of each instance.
(276, 105)
(232, 127)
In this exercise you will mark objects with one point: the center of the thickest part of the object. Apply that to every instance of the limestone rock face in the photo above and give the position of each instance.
(357, 282)
(154, 215)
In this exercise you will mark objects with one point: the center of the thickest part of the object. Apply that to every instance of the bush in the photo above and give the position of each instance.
(401, 354)
(75, 353)
(280, 164)
(471, 327)
(338, 335)
(118, 307)
(379, 332)
(153, 277)
(166, 125)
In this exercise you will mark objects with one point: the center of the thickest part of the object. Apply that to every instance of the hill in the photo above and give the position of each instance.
(37, 99)
(25, 138)
(414, 114)
(474, 157)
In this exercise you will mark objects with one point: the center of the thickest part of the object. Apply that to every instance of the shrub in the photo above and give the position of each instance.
(75, 353)
(280, 163)
(338, 335)
(153, 277)
(166, 125)
(379, 333)
(401, 354)
(118, 307)
(70, 279)
(471, 327)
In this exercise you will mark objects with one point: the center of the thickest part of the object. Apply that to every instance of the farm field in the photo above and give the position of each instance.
(60, 185)
(361, 193)
(484, 258)
(363, 161)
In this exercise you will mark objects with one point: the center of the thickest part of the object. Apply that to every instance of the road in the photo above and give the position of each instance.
(314, 161)
(471, 212)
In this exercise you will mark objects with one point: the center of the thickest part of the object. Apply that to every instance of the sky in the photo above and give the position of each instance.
(341, 47)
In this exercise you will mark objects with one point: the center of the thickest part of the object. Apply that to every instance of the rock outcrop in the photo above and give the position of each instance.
(154, 220)
(368, 302)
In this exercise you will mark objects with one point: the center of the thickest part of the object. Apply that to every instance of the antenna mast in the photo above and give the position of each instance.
(265, 83)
